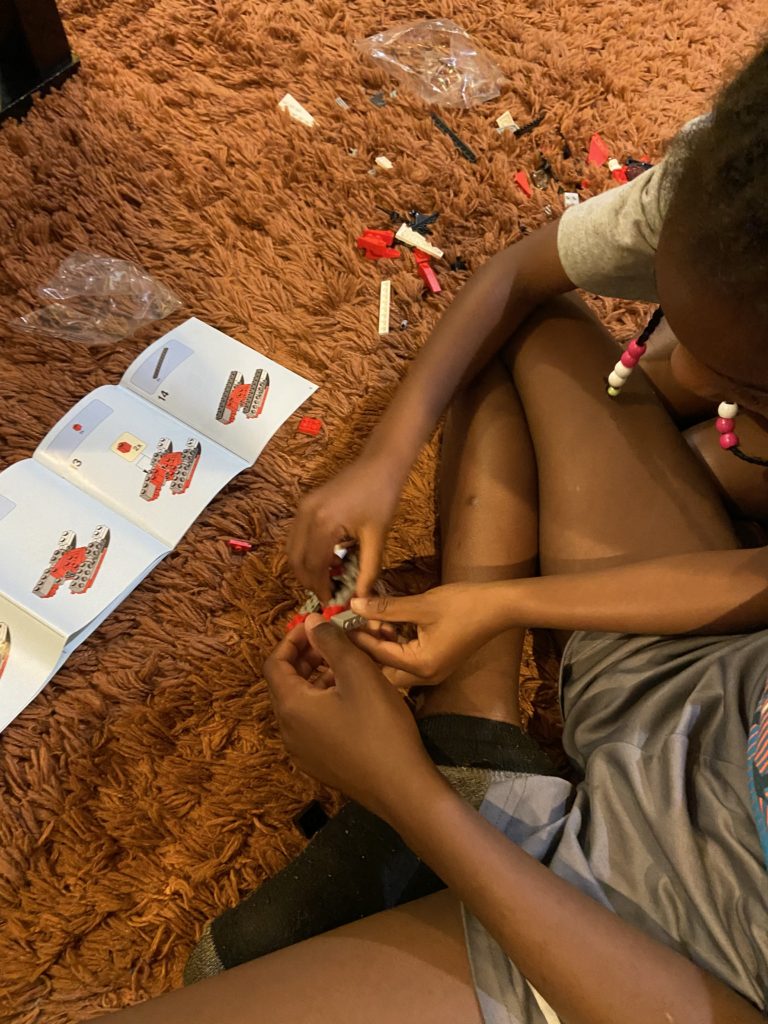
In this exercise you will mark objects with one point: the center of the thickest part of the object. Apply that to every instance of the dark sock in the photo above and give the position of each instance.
(356, 865)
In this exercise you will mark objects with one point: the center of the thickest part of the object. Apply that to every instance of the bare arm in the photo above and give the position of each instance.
(480, 319)
(589, 964)
(702, 592)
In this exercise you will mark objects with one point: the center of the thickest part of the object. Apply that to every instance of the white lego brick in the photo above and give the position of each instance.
(385, 300)
(506, 122)
(295, 109)
(417, 241)
(613, 164)
(571, 199)
(384, 163)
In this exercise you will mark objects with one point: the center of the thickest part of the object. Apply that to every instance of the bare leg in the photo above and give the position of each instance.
(404, 966)
(488, 525)
(617, 481)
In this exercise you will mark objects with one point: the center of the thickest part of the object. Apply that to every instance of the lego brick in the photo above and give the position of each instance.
(385, 299)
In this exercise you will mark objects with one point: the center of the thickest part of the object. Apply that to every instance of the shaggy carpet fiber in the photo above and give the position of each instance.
(147, 788)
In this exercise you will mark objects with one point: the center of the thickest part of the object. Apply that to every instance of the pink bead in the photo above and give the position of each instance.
(724, 426)
(628, 360)
(635, 350)
(728, 441)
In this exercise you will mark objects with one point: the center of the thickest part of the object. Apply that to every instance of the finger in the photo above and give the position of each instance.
(401, 680)
(371, 549)
(318, 560)
(391, 609)
(343, 657)
(280, 668)
(397, 655)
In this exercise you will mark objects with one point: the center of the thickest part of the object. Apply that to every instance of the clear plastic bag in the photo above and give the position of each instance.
(98, 300)
(438, 60)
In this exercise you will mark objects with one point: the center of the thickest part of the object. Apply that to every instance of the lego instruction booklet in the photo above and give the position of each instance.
(116, 483)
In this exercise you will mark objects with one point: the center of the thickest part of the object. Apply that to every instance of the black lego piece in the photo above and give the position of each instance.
(567, 152)
(420, 221)
(378, 99)
(459, 264)
(524, 129)
(635, 168)
(462, 147)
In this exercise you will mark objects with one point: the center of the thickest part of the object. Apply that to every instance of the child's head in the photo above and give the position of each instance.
(712, 260)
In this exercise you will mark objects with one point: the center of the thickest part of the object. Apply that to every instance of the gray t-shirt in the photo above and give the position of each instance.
(607, 244)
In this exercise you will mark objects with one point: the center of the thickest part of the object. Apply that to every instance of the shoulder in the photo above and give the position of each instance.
(608, 244)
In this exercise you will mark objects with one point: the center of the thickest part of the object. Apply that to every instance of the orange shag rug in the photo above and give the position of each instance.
(146, 788)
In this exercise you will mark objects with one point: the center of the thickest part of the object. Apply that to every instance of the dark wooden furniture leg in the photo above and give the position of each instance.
(34, 53)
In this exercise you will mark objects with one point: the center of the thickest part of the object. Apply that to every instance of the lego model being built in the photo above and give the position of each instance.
(78, 566)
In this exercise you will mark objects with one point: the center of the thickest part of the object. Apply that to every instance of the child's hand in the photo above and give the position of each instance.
(353, 731)
(356, 505)
(452, 622)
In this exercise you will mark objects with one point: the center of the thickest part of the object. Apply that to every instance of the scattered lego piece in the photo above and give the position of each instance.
(348, 620)
(308, 425)
(521, 180)
(352, 151)
(342, 103)
(543, 174)
(393, 215)
(462, 147)
(548, 211)
(426, 273)
(404, 325)
(378, 244)
(584, 183)
(459, 264)
(295, 109)
(384, 163)
(571, 199)
(526, 128)
(506, 123)
(598, 151)
(417, 241)
(240, 546)
(385, 300)
(619, 174)
(634, 168)
(378, 99)
(420, 221)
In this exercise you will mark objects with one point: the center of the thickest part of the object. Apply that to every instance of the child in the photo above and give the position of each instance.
(652, 905)
(624, 524)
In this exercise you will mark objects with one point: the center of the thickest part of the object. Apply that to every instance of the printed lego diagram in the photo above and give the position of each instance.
(169, 467)
(5, 646)
(238, 395)
(78, 566)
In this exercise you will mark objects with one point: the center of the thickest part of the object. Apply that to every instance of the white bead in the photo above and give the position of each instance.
(614, 380)
(625, 372)
(728, 410)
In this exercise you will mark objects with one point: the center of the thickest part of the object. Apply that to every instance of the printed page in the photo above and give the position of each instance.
(218, 386)
(139, 461)
(29, 655)
(65, 557)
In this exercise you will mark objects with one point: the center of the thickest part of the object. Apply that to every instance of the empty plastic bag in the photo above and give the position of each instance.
(98, 300)
(438, 60)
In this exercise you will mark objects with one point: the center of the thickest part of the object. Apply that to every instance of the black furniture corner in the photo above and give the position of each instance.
(34, 53)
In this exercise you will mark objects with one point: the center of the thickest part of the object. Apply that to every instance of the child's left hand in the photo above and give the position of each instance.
(354, 731)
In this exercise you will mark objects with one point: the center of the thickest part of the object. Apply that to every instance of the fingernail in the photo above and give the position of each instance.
(357, 604)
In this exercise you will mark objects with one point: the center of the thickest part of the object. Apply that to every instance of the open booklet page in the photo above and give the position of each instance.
(65, 557)
(218, 386)
(29, 655)
(138, 460)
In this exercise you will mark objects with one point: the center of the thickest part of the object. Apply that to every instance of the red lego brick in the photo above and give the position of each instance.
(240, 546)
(307, 425)
(598, 151)
(521, 180)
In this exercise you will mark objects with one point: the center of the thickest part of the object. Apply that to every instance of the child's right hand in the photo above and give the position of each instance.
(357, 505)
